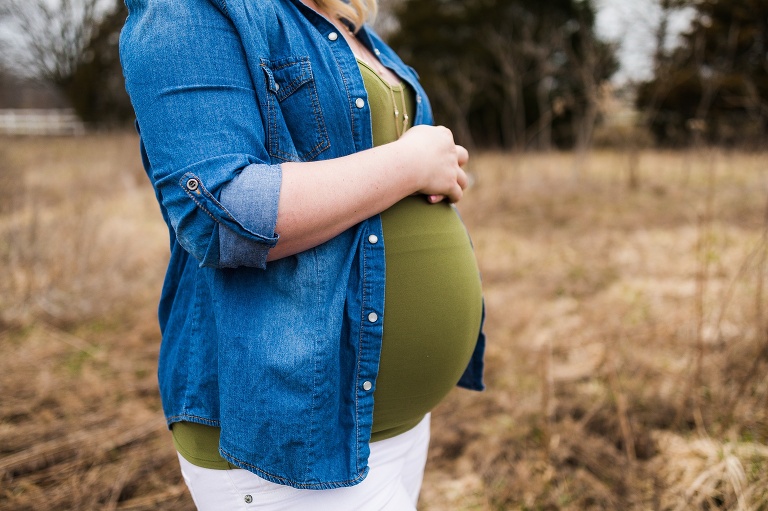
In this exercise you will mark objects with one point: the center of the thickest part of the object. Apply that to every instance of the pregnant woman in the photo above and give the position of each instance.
(322, 295)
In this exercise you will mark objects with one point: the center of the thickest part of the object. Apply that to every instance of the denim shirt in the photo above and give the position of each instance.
(283, 356)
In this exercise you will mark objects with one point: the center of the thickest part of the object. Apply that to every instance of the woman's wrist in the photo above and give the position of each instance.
(405, 160)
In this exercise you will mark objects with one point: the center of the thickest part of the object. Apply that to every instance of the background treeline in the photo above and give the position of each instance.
(714, 87)
(514, 74)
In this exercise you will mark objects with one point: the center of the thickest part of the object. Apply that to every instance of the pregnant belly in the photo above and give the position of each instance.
(432, 312)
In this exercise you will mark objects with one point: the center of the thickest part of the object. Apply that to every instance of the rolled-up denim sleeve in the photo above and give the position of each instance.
(200, 119)
(256, 184)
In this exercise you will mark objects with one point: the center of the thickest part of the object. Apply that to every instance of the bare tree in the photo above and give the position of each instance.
(545, 69)
(506, 51)
(586, 64)
(663, 57)
(46, 39)
(524, 60)
(457, 96)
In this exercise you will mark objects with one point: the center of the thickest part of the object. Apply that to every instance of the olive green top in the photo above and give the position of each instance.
(433, 302)
(385, 101)
(199, 445)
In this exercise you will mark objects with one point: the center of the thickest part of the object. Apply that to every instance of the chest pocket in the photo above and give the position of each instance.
(296, 130)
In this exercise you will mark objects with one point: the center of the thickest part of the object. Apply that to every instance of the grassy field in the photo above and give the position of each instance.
(627, 327)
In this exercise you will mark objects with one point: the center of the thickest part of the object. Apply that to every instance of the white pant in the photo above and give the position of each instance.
(393, 483)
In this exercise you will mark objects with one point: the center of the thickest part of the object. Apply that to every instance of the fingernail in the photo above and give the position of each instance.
(433, 198)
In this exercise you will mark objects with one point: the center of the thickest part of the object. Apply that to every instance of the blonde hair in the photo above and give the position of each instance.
(356, 12)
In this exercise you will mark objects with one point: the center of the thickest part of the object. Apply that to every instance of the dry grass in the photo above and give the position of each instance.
(82, 256)
(628, 335)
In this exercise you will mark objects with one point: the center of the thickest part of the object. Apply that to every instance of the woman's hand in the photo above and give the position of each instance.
(437, 161)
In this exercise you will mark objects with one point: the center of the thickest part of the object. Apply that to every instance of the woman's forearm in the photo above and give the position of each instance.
(319, 200)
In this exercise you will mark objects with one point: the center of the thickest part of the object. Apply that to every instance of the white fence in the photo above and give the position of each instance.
(30, 121)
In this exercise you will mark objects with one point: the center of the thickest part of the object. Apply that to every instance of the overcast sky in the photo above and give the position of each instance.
(632, 24)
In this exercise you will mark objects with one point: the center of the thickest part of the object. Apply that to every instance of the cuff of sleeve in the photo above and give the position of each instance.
(252, 198)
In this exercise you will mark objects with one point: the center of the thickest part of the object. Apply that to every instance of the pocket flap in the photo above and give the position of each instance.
(286, 76)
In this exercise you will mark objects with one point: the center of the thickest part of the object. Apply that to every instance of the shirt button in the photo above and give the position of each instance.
(373, 317)
(373, 239)
(418, 98)
(367, 385)
(248, 499)
(333, 36)
(359, 103)
(192, 184)
(277, 86)
(376, 51)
